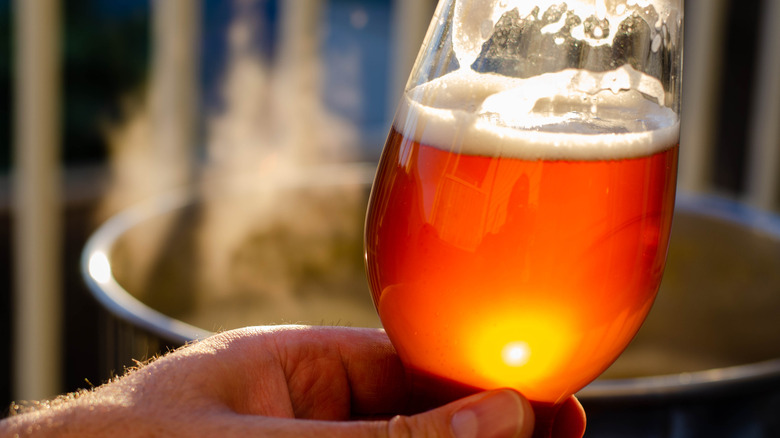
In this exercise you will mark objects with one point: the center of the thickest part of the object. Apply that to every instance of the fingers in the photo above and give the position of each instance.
(362, 365)
(499, 413)
(570, 420)
(358, 363)
(322, 373)
(378, 382)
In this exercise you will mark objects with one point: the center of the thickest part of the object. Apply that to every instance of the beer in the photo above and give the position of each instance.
(505, 257)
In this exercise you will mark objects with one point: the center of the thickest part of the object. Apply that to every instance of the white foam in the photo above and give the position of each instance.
(493, 115)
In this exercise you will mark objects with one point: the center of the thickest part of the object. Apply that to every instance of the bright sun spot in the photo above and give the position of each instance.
(516, 354)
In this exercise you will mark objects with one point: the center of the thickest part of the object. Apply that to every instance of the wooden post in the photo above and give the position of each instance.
(37, 361)
(763, 175)
(410, 23)
(704, 36)
(174, 88)
(297, 92)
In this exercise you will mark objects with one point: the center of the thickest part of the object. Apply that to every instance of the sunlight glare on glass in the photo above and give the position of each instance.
(99, 267)
(516, 354)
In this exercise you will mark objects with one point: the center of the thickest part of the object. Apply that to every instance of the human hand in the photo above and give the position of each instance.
(284, 381)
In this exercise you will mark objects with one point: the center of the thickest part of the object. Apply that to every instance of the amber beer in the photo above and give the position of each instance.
(509, 271)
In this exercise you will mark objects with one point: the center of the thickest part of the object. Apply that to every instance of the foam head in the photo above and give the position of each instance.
(553, 116)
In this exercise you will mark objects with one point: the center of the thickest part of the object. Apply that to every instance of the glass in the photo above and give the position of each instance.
(519, 220)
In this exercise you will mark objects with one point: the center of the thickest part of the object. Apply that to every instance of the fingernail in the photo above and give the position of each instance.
(497, 415)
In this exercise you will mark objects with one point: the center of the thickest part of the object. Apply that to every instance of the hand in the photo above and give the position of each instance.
(284, 381)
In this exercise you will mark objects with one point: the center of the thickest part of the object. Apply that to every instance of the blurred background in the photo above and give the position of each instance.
(106, 103)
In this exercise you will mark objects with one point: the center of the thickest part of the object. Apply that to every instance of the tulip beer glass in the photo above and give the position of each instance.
(519, 220)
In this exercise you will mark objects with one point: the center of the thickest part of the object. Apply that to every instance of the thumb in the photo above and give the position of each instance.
(494, 414)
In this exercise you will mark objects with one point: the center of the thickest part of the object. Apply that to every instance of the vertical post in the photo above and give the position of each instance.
(174, 85)
(763, 175)
(298, 74)
(410, 22)
(704, 36)
(37, 224)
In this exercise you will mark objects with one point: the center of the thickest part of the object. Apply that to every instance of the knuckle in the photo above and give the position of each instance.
(402, 426)
(399, 427)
